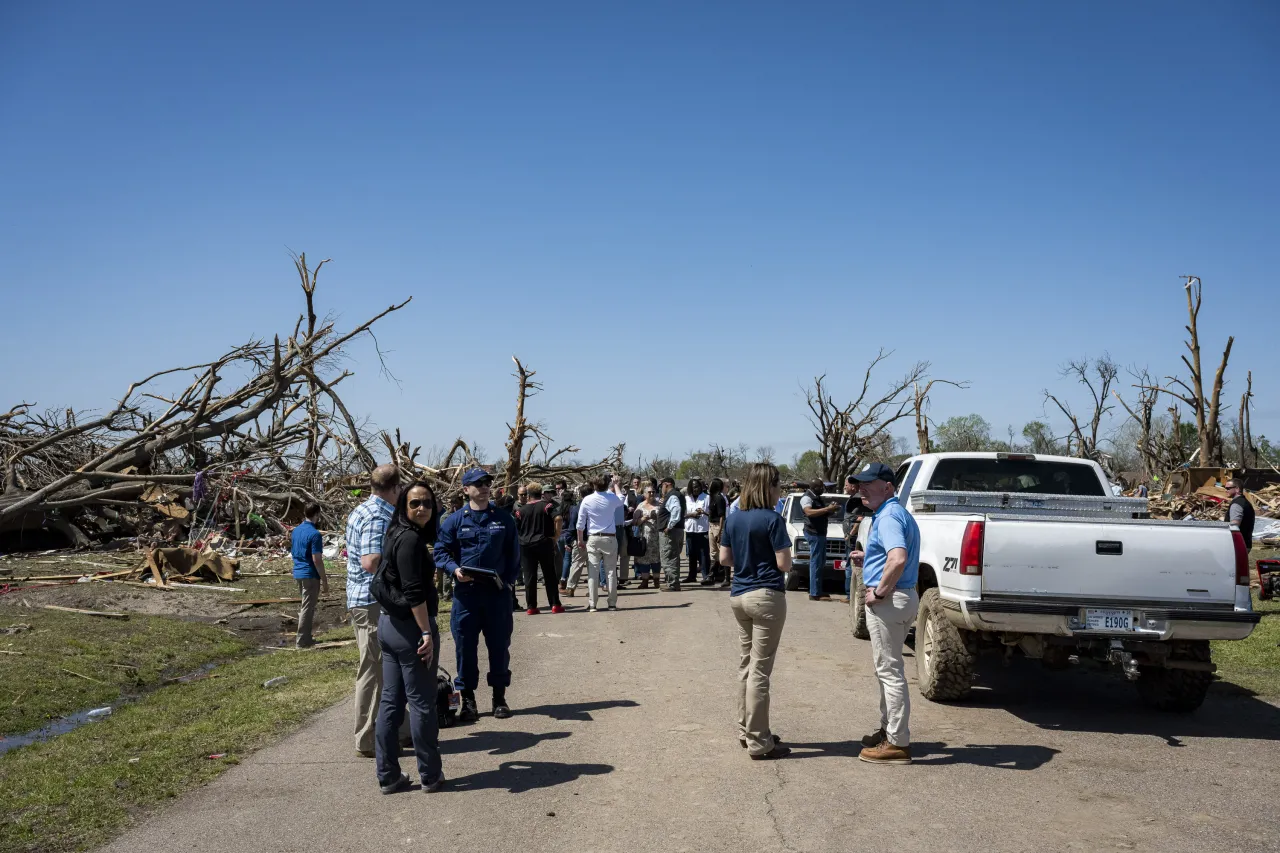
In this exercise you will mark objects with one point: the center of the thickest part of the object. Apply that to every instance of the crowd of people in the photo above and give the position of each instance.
(406, 550)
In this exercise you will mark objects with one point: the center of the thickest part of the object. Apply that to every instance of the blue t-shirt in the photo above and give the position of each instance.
(892, 527)
(754, 535)
(306, 542)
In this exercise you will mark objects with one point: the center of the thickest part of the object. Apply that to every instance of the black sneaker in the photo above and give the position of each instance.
(433, 787)
(501, 710)
(469, 712)
(404, 783)
(874, 739)
(773, 754)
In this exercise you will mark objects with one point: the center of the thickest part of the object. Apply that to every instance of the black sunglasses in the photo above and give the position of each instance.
(416, 503)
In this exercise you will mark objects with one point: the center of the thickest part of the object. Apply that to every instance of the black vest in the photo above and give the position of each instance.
(664, 516)
(816, 526)
(1246, 522)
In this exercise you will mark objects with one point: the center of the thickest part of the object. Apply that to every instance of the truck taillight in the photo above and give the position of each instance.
(971, 549)
(1242, 558)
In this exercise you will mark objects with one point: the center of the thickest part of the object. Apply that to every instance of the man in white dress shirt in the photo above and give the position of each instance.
(597, 535)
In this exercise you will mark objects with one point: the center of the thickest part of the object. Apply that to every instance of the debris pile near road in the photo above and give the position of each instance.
(236, 446)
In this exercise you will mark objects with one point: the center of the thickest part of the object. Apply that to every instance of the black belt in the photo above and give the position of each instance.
(602, 534)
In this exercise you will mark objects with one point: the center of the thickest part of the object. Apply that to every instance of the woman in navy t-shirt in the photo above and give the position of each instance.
(756, 544)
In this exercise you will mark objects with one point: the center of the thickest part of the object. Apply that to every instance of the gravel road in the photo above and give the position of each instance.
(623, 741)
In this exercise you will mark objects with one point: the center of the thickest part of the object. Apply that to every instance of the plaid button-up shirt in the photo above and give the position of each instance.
(365, 528)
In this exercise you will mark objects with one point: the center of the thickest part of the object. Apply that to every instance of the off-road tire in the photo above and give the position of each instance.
(1177, 690)
(796, 580)
(944, 660)
(858, 606)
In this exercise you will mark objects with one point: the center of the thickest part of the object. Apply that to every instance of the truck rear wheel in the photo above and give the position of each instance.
(858, 606)
(944, 662)
(796, 580)
(1177, 690)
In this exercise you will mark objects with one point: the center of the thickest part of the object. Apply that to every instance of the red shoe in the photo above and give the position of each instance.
(532, 611)
(557, 609)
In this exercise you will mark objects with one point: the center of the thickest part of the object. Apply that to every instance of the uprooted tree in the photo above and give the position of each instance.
(262, 420)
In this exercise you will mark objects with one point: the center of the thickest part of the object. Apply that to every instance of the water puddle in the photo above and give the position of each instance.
(57, 727)
(71, 722)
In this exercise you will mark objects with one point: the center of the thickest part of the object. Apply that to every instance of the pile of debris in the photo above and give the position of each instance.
(224, 454)
(1209, 501)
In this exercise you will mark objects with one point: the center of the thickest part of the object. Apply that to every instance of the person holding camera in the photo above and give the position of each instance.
(404, 586)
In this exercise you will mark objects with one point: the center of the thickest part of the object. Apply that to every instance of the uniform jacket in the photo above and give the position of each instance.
(485, 539)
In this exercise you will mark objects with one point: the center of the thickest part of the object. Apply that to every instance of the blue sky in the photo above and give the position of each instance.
(676, 212)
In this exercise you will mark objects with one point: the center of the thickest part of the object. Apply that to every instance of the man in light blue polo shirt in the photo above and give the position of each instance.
(890, 569)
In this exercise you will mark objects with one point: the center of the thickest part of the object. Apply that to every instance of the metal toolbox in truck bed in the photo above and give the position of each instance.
(1028, 503)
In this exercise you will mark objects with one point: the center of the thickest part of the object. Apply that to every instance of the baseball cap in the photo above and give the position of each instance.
(874, 471)
(475, 475)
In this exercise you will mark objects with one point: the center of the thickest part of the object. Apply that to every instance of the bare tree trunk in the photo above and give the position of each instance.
(308, 277)
(1243, 434)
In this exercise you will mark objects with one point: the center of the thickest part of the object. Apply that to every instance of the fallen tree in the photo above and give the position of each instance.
(260, 424)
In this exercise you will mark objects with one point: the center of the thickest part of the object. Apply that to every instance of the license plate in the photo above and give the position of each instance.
(1108, 620)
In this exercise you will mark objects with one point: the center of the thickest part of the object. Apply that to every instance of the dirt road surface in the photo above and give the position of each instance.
(623, 740)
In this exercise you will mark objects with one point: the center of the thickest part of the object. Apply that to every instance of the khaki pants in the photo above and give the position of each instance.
(715, 530)
(888, 622)
(309, 589)
(761, 614)
(369, 676)
(602, 549)
(577, 565)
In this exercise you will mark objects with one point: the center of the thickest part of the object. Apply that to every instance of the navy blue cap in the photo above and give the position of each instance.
(475, 475)
(874, 471)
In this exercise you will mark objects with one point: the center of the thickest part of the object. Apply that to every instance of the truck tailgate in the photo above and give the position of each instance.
(1183, 562)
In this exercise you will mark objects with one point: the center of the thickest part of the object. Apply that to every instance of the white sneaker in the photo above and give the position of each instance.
(591, 610)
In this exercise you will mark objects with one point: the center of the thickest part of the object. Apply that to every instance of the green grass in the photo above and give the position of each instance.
(79, 789)
(107, 656)
(1254, 664)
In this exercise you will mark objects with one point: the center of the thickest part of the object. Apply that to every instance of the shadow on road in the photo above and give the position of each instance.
(520, 776)
(1088, 700)
(1007, 756)
(655, 607)
(496, 743)
(576, 711)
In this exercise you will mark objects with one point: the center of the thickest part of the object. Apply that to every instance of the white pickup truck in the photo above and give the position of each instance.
(1033, 554)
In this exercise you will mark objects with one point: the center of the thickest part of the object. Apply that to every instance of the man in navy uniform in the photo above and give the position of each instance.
(482, 537)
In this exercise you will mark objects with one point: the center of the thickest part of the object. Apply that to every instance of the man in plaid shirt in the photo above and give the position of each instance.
(365, 528)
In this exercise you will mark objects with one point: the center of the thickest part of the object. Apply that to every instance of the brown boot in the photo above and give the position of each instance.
(568, 593)
(886, 753)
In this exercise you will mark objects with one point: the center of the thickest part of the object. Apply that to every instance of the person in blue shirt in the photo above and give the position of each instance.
(757, 546)
(890, 569)
(483, 537)
(307, 548)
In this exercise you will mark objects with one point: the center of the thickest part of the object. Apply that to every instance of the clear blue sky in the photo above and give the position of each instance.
(992, 187)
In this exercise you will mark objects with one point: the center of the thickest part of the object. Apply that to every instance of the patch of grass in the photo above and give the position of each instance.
(1254, 664)
(68, 662)
(79, 789)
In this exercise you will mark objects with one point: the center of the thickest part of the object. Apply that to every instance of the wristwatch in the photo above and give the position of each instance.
(876, 595)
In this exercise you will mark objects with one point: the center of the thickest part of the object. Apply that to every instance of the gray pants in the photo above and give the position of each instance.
(309, 589)
(407, 678)
(670, 545)
(888, 622)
